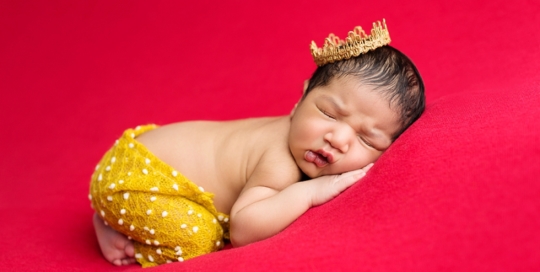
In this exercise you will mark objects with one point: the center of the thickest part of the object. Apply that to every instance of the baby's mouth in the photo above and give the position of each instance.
(317, 158)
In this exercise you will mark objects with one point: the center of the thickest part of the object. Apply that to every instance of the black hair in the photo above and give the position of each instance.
(389, 71)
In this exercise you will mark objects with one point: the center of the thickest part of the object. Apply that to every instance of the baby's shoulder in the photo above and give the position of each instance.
(275, 169)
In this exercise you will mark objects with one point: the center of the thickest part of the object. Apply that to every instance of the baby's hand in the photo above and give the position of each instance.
(327, 187)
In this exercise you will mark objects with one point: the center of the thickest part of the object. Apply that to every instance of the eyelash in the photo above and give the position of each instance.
(332, 117)
(366, 142)
(327, 114)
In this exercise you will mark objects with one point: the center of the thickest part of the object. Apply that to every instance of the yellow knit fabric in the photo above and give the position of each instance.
(168, 217)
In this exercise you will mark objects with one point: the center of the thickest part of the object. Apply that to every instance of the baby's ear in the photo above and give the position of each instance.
(293, 110)
(306, 83)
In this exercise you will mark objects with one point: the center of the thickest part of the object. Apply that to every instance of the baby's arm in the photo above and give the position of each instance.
(262, 211)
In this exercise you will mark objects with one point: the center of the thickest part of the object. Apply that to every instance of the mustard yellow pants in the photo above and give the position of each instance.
(168, 217)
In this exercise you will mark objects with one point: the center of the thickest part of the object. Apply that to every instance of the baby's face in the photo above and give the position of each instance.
(341, 127)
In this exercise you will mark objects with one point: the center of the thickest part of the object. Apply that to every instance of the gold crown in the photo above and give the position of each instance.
(356, 43)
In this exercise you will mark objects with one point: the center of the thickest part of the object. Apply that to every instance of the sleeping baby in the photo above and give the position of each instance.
(173, 192)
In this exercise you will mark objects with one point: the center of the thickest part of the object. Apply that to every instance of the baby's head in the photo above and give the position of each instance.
(389, 72)
(352, 110)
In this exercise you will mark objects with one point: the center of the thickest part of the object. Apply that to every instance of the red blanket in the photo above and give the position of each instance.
(458, 191)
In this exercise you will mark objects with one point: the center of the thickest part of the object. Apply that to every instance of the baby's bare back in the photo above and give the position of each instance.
(220, 156)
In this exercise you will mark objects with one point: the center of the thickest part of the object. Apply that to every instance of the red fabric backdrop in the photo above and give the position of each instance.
(458, 191)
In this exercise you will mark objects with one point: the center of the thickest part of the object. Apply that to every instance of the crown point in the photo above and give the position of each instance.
(357, 42)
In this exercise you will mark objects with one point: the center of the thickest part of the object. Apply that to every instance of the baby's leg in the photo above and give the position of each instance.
(116, 247)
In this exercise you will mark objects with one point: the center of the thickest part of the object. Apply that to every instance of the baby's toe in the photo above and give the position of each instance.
(120, 243)
(117, 262)
(129, 249)
(127, 261)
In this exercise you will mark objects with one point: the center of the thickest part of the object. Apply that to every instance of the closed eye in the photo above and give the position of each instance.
(366, 142)
(326, 113)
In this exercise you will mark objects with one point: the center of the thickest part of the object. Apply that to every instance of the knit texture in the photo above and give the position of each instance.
(168, 217)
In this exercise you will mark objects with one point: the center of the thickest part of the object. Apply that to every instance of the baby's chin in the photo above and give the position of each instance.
(328, 172)
(311, 173)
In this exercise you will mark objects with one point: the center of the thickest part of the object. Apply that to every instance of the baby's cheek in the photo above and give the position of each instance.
(364, 158)
(376, 155)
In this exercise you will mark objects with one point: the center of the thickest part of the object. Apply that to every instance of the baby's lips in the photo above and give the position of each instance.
(327, 155)
(315, 158)
(310, 156)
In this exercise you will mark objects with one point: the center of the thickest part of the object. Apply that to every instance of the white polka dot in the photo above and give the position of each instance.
(177, 248)
(112, 186)
(131, 228)
(153, 198)
(102, 214)
(116, 142)
(138, 127)
(129, 174)
(178, 252)
(97, 167)
(190, 212)
(105, 222)
(108, 168)
(144, 171)
(195, 229)
(168, 261)
(147, 160)
(201, 189)
(220, 217)
(154, 189)
(218, 243)
(113, 159)
(109, 198)
(156, 242)
(150, 258)
(138, 256)
(158, 251)
(121, 181)
(129, 238)
(214, 221)
(120, 222)
(183, 226)
(199, 215)
(90, 196)
(148, 242)
(126, 196)
(180, 259)
(146, 228)
(100, 177)
(174, 173)
(148, 212)
(123, 211)
(131, 145)
(132, 135)
(175, 186)
(226, 219)
(152, 231)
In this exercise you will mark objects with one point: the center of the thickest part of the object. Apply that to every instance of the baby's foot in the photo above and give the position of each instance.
(116, 247)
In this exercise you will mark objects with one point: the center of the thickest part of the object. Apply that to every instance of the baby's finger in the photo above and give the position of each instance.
(352, 176)
(367, 167)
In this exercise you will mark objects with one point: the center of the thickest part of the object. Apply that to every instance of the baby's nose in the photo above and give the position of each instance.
(340, 139)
